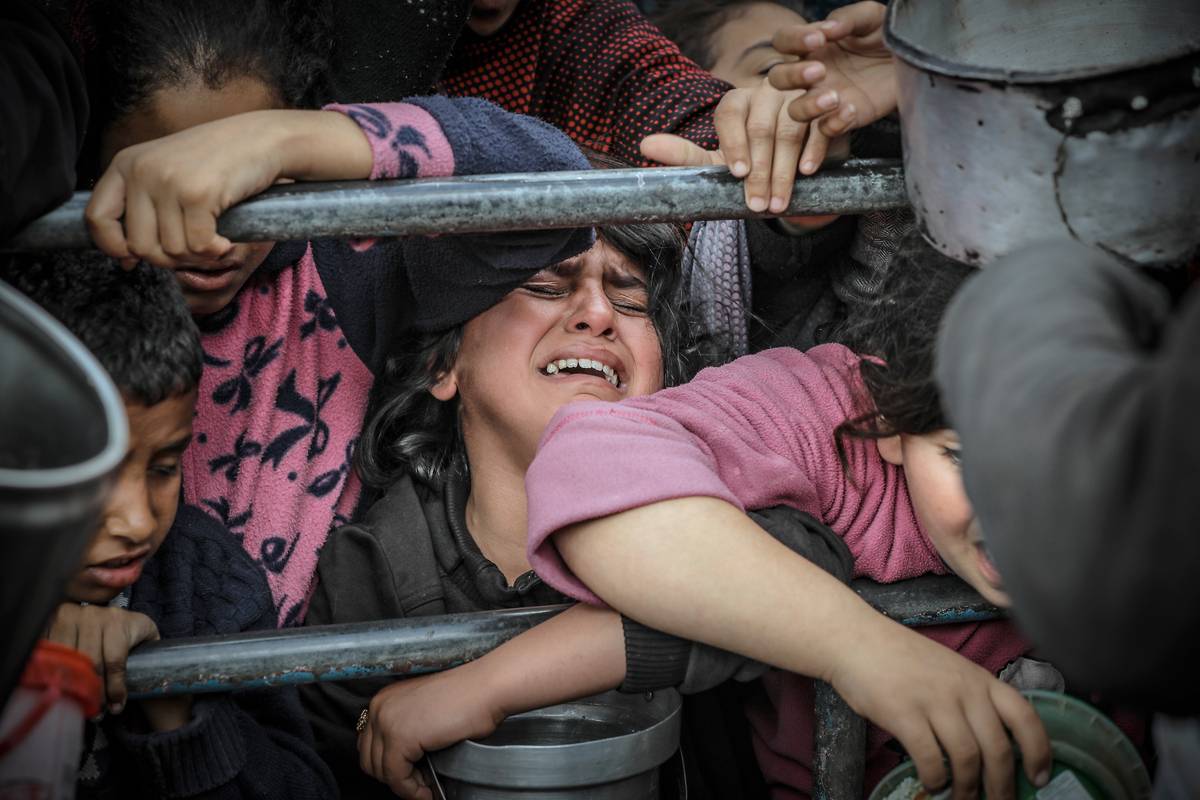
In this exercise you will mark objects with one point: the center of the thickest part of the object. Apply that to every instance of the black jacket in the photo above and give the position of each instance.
(244, 744)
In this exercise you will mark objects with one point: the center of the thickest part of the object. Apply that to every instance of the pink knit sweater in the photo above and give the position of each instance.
(756, 433)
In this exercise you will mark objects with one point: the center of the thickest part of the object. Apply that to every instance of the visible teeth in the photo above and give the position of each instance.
(551, 368)
(606, 369)
(562, 363)
(572, 363)
(612, 379)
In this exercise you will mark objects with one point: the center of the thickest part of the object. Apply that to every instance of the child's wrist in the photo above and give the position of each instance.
(320, 145)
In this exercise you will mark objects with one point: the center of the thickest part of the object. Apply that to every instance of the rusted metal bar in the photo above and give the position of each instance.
(429, 644)
(504, 202)
(840, 756)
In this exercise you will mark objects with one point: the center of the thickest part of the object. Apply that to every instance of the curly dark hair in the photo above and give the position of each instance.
(136, 323)
(898, 335)
(409, 431)
(138, 47)
(691, 24)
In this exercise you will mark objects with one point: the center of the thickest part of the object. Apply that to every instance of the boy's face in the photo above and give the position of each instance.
(934, 477)
(143, 502)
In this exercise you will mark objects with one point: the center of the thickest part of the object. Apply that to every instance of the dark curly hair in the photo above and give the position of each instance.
(135, 48)
(691, 24)
(409, 431)
(136, 323)
(898, 335)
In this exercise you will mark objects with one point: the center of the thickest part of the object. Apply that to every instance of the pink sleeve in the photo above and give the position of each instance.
(406, 140)
(755, 433)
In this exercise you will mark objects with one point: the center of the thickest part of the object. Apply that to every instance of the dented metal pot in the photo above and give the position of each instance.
(1027, 120)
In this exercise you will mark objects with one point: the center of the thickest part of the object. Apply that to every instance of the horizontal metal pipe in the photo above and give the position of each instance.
(430, 644)
(503, 202)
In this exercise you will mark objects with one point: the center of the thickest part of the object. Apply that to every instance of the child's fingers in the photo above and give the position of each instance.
(815, 149)
(665, 148)
(862, 21)
(202, 237)
(103, 214)
(800, 40)
(141, 229)
(995, 749)
(838, 123)
(761, 127)
(797, 75)
(114, 652)
(812, 105)
(730, 120)
(958, 743)
(789, 139)
(922, 746)
(171, 234)
(365, 751)
(1028, 731)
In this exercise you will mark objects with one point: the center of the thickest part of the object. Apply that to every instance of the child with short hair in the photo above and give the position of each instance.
(159, 569)
(654, 527)
(205, 109)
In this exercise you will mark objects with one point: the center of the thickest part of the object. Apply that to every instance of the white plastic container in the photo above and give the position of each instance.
(41, 730)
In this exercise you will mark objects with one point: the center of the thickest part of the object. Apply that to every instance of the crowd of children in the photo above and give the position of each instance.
(343, 431)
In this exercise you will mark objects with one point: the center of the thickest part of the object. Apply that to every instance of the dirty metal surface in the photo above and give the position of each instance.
(430, 644)
(503, 202)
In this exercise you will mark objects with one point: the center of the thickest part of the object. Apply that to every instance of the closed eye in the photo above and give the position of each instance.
(544, 290)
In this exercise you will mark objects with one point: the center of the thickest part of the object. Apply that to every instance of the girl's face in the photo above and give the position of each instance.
(934, 477)
(741, 48)
(576, 331)
(207, 285)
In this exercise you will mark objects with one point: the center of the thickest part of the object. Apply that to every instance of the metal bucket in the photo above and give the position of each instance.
(1027, 120)
(606, 747)
(62, 436)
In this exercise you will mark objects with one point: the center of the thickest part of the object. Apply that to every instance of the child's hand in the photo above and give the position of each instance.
(413, 717)
(105, 635)
(159, 200)
(940, 705)
(844, 65)
(759, 141)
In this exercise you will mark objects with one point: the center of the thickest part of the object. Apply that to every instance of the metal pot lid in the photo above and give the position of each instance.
(1032, 42)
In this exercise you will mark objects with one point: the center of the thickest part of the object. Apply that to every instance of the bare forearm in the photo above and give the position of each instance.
(319, 145)
(700, 569)
(576, 653)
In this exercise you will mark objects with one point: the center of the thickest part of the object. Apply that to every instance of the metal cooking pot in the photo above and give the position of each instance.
(62, 436)
(606, 747)
(1028, 119)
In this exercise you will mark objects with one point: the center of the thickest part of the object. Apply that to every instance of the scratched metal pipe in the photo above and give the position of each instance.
(503, 202)
(430, 644)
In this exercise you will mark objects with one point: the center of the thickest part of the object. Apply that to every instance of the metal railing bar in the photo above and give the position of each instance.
(488, 203)
(430, 644)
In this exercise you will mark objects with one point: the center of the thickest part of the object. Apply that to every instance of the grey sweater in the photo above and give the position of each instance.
(1076, 392)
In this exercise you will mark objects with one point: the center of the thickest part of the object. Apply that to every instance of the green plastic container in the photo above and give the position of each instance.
(1093, 759)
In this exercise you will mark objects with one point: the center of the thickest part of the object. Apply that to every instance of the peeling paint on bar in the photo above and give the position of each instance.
(488, 203)
(429, 644)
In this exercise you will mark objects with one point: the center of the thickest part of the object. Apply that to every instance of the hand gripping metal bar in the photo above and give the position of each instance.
(503, 202)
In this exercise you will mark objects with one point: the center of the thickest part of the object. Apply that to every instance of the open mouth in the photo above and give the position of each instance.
(583, 366)
(119, 572)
